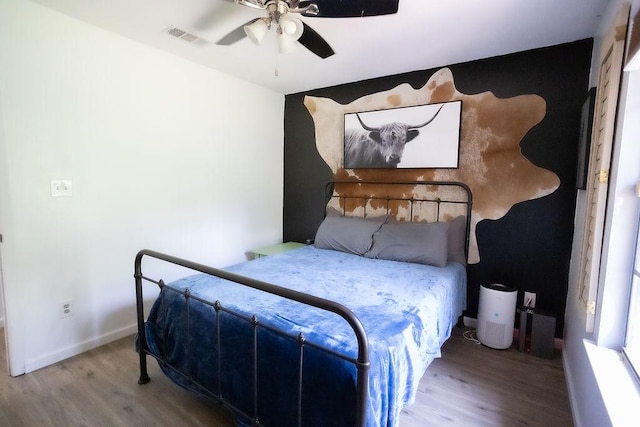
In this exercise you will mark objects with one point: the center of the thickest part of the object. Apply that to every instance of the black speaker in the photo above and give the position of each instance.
(536, 333)
(543, 329)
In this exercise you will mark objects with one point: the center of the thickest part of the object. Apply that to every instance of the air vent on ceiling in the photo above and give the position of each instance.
(181, 34)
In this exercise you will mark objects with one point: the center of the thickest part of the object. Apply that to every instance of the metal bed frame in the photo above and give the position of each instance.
(361, 363)
(366, 197)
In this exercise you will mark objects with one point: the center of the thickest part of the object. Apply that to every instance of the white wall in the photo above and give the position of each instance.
(592, 403)
(3, 191)
(163, 154)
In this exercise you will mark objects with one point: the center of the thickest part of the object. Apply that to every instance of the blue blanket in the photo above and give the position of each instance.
(407, 310)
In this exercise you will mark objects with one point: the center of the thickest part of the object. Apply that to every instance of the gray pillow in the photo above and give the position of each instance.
(347, 233)
(418, 242)
(456, 241)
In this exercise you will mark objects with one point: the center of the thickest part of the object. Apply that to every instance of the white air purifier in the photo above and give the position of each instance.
(496, 315)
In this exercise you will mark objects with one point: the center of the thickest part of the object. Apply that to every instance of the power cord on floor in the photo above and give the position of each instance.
(470, 335)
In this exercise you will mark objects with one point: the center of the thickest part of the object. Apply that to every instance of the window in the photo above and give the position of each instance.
(632, 338)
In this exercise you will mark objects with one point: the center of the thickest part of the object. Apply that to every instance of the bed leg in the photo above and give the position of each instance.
(144, 375)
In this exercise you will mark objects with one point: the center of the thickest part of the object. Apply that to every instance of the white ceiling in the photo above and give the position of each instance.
(423, 34)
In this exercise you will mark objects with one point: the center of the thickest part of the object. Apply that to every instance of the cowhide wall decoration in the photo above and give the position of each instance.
(491, 162)
(520, 129)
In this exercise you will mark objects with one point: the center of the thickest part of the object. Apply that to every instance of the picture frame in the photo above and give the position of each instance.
(417, 137)
(584, 142)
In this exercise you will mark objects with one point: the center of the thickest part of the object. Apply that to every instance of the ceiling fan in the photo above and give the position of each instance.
(289, 28)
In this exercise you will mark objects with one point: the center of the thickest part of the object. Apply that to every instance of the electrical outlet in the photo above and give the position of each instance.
(530, 299)
(61, 188)
(66, 308)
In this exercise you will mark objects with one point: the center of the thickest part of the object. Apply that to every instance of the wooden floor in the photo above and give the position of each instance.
(471, 385)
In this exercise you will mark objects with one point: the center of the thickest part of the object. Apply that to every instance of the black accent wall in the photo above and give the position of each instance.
(530, 247)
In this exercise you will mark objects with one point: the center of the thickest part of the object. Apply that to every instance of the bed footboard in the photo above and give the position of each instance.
(361, 363)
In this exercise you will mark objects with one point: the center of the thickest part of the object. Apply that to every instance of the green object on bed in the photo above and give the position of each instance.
(276, 249)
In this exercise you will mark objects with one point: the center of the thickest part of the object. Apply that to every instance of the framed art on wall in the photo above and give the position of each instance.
(422, 136)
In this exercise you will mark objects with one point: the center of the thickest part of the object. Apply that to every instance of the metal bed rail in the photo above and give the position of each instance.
(361, 363)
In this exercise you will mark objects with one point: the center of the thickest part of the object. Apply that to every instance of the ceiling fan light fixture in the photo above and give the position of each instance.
(286, 43)
(291, 27)
(256, 30)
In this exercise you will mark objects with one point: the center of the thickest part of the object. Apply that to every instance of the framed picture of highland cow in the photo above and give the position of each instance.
(422, 136)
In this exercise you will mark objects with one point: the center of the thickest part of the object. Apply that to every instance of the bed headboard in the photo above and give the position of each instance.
(412, 201)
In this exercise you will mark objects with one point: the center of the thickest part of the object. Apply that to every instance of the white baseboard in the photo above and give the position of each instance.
(470, 322)
(569, 381)
(56, 356)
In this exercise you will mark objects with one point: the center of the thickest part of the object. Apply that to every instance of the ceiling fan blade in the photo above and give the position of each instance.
(352, 8)
(315, 43)
(235, 35)
(256, 4)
